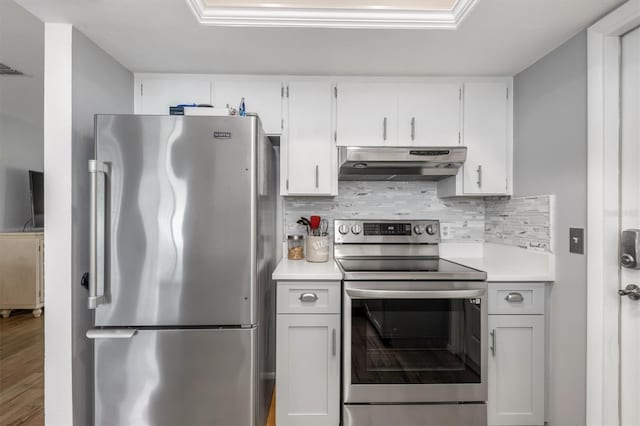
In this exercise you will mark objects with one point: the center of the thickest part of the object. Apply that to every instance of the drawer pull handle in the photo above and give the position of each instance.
(514, 298)
(308, 297)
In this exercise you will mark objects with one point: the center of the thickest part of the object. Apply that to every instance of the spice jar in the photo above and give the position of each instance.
(296, 247)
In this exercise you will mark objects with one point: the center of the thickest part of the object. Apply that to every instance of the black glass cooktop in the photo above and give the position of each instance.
(407, 268)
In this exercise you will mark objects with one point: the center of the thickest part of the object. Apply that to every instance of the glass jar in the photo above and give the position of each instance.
(296, 247)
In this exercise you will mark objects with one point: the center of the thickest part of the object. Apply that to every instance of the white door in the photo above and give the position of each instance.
(429, 114)
(261, 96)
(308, 370)
(309, 138)
(516, 370)
(157, 95)
(367, 114)
(485, 134)
(630, 219)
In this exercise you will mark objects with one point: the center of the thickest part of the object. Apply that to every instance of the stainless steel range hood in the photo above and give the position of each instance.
(400, 163)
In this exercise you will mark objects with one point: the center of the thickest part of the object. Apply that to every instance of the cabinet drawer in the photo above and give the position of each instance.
(313, 297)
(515, 299)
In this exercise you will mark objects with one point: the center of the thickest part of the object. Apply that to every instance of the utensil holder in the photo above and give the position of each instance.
(317, 248)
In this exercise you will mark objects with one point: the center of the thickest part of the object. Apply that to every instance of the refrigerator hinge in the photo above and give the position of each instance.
(335, 92)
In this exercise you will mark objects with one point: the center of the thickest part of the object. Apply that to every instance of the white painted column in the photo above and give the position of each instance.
(58, 254)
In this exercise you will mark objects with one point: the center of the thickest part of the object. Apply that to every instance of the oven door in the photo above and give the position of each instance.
(415, 342)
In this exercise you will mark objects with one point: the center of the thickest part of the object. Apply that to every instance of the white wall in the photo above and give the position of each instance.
(57, 242)
(550, 157)
(80, 80)
(21, 111)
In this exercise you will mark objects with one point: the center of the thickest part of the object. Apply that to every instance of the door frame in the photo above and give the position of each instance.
(603, 224)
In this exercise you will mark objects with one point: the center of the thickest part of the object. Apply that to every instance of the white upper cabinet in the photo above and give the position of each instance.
(157, 95)
(429, 114)
(367, 114)
(486, 117)
(309, 163)
(487, 134)
(261, 96)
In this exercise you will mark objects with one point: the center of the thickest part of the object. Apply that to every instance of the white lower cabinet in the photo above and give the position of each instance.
(308, 356)
(516, 370)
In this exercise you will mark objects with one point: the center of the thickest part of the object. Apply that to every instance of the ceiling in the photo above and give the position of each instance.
(340, 4)
(498, 37)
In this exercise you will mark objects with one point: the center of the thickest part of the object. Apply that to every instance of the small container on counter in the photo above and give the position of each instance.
(318, 248)
(296, 247)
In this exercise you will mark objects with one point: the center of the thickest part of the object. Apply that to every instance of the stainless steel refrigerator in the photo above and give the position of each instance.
(182, 251)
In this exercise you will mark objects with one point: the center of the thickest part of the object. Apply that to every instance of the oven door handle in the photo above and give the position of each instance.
(357, 293)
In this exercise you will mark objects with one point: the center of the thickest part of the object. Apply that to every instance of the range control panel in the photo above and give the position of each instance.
(386, 231)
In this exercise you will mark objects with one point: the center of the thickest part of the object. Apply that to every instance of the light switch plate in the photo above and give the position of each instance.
(576, 240)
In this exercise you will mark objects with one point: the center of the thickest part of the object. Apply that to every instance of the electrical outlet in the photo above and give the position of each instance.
(444, 230)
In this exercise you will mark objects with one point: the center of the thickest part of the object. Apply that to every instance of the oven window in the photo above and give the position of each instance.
(426, 341)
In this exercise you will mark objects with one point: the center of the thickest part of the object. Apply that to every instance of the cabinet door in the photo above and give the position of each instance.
(516, 370)
(310, 146)
(308, 370)
(157, 95)
(262, 97)
(485, 133)
(367, 114)
(429, 114)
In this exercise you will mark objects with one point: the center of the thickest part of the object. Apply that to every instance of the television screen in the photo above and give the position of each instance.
(36, 189)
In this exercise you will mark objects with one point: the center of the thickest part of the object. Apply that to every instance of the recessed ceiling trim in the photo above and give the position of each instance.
(330, 18)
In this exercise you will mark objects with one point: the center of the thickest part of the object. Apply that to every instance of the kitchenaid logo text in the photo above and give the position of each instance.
(222, 135)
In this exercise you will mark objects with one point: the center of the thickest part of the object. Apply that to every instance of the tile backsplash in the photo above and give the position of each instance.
(462, 219)
(520, 221)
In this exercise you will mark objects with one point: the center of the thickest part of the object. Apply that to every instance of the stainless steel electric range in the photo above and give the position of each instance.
(414, 327)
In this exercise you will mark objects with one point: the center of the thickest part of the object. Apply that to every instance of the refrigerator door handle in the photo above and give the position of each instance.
(111, 333)
(97, 233)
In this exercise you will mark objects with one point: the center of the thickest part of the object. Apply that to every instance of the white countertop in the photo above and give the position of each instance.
(288, 270)
(505, 263)
(501, 263)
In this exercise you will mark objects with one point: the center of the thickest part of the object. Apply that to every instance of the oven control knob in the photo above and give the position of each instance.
(431, 229)
(417, 230)
(356, 229)
(343, 229)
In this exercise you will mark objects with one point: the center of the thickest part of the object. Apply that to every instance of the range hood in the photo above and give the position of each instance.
(400, 163)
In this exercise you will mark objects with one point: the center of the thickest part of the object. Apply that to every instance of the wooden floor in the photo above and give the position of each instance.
(271, 420)
(22, 370)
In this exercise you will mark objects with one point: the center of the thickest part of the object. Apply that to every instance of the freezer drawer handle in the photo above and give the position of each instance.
(308, 297)
(112, 333)
(97, 233)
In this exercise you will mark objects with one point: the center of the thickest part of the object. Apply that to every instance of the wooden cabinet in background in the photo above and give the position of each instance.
(21, 272)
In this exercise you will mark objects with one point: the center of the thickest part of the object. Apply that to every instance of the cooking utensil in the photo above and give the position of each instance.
(315, 222)
(305, 222)
(324, 227)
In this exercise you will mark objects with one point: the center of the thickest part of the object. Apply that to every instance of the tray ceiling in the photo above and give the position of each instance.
(367, 14)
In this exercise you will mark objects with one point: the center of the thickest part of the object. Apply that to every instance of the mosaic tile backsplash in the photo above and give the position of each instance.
(462, 219)
(521, 221)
